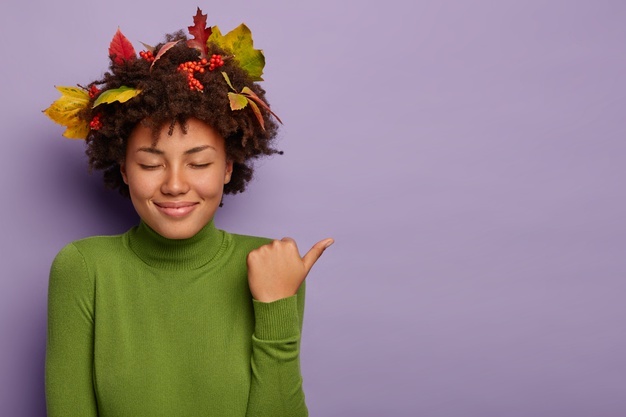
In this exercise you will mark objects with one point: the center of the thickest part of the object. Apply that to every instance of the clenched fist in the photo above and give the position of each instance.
(276, 270)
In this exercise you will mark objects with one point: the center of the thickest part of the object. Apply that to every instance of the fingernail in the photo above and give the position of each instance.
(330, 242)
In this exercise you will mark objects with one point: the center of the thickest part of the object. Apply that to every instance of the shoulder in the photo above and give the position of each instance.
(87, 250)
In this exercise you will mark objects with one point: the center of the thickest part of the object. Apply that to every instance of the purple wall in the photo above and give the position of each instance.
(468, 157)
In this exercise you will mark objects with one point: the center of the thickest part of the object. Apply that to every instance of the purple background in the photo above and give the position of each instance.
(468, 157)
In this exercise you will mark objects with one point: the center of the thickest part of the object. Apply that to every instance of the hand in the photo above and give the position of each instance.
(276, 270)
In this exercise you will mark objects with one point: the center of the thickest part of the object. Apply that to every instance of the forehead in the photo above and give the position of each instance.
(195, 133)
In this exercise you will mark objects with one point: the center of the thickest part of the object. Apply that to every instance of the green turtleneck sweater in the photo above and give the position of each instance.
(140, 325)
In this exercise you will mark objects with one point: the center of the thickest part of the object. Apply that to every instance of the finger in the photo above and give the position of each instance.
(315, 252)
(287, 239)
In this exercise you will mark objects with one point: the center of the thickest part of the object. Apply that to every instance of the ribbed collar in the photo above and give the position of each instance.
(176, 254)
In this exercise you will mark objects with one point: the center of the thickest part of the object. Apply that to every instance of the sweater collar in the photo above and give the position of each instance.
(176, 254)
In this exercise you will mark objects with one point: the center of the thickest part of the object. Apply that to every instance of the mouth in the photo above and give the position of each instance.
(176, 208)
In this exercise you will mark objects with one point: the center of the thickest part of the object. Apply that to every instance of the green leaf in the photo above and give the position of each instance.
(228, 81)
(122, 94)
(237, 101)
(239, 42)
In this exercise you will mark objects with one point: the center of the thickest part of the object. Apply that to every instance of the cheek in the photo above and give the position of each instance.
(140, 184)
(210, 186)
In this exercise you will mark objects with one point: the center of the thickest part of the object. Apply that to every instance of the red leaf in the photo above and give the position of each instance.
(121, 49)
(200, 33)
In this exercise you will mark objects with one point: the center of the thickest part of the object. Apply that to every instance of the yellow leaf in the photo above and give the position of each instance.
(65, 111)
(239, 42)
(237, 101)
(121, 94)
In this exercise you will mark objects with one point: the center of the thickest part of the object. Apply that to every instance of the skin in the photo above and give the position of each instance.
(176, 187)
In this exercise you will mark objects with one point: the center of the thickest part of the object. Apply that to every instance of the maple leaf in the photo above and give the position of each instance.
(239, 42)
(120, 49)
(65, 111)
(122, 94)
(200, 33)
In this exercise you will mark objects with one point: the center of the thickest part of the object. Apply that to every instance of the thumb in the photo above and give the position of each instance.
(315, 252)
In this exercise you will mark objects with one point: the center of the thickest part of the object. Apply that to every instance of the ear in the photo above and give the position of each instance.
(229, 171)
(123, 172)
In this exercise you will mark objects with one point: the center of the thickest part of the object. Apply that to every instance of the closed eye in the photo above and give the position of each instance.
(149, 167)
(200, 165)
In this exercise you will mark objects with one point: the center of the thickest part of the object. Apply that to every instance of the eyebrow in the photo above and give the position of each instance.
(198, 149)
(187, 152)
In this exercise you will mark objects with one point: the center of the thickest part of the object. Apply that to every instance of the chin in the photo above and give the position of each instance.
(177, 231)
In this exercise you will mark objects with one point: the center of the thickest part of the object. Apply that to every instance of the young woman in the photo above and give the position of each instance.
(176, 317)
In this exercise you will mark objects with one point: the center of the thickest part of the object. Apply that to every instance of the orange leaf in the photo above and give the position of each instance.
(120, 49)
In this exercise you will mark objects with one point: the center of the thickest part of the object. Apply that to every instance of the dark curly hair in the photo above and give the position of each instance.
(166, 99)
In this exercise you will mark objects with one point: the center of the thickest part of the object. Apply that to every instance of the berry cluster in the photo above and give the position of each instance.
(93, 91)
(215, 62)
(190, 68)
(147, 55)
(95, 123)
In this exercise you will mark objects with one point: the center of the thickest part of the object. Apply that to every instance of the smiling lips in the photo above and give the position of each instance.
(176, 209)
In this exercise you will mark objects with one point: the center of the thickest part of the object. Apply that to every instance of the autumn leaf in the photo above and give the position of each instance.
(237, 101)
(239, 42)
(257, 113)
(120, 49)
(65, 111)
(228, 81)
(200, 33)
(148, 47)
(249, 93)
(163, 50)
(122, 94)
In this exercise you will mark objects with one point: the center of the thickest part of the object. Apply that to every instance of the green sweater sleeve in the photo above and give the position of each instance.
(69, 345)
(276, 383)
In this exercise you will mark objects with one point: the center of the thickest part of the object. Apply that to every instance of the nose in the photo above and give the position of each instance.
(174, 182)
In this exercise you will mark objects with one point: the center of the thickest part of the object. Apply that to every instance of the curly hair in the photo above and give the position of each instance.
(166, 99)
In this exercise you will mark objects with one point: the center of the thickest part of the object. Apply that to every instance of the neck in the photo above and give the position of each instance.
(176, 254)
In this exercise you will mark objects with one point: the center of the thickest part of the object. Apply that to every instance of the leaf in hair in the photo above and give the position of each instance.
(65, 111)
(122, 94)
(200, 33)
(163, 50)
(239, 42)
(120, 49)
(237, 101)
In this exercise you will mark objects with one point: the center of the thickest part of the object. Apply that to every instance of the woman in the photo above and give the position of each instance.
(175, 317)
